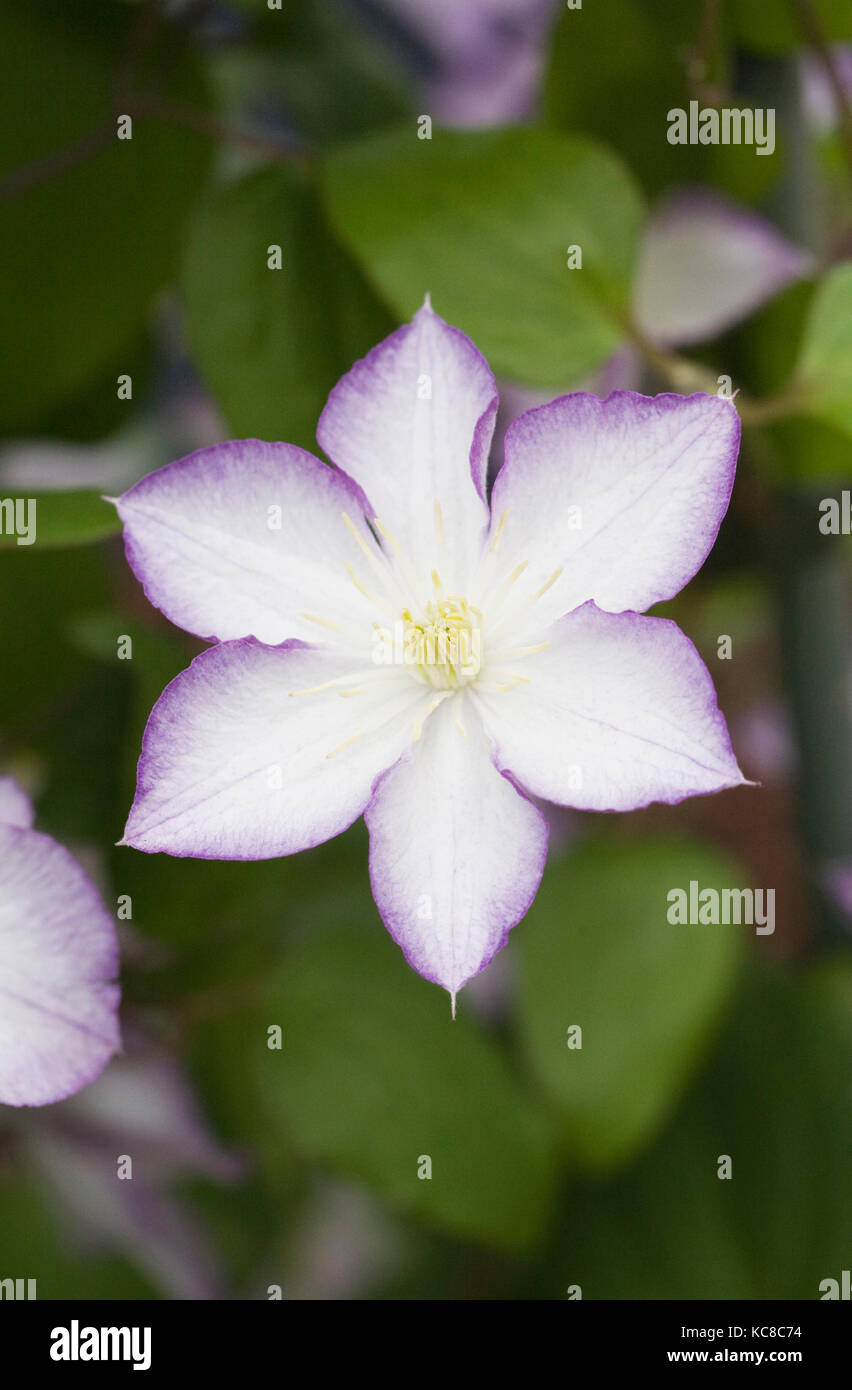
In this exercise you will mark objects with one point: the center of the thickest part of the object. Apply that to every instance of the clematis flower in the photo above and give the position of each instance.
(392, 642)
(58, 954)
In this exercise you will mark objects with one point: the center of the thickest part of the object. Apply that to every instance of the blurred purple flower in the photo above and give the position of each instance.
(820, 101)
(836, 880)
(765, 735)
(143, 1109)
(342, 1245)
(487, 55)
(705, 263)
(58, 953)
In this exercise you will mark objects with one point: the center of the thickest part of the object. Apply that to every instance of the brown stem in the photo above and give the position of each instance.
(126, 102)
(700, 58)
(57, 162)
(195, 118)
(153, 107)
(687, 376)
(139, 41)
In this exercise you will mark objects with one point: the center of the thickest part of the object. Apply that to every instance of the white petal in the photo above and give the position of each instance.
(619, 711)
(245, 539)
(15, 806)
(58, 954)
(412, 424)
(622, 498)
(237, 764)
(456, 853)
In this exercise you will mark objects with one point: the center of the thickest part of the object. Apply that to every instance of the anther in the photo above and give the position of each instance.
(498, 534)
(549, 582)
(345, 744)
(357, 582)
(321, 622)
(439, 523)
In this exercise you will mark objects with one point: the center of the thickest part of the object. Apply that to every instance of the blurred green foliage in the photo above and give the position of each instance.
(83, 252)
(775, 1100)
(435, 213)
(552, 1166)
(825, 364)
(67, 518)
(600, 954)
(272, 342)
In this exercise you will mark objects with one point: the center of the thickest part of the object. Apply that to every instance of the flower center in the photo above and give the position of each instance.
(444, 641)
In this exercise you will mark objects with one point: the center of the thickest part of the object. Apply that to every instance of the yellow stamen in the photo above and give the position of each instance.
(498, 534)
(345, 744)
(347, 694)
(516, 573)
(383, 531)
(357, 582)
(439, 524)
(357, 534)
(418, 726)
(461, 729)
(549, 582)
(312, 689)
(322, 622)
(523, 651)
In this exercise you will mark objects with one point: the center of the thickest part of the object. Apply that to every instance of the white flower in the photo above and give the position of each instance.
(522, 668)
(58, 953)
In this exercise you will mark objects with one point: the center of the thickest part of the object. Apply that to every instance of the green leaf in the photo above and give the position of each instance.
(483, 221)
(598, 951)
(85, 250)
(61, 519)
(273, 342)
(775, 1099)
(374, 1074)
(763, 355)
(824, 372)
(616, 70)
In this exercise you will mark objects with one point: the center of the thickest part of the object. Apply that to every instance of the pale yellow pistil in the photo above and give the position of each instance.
(443, 642)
